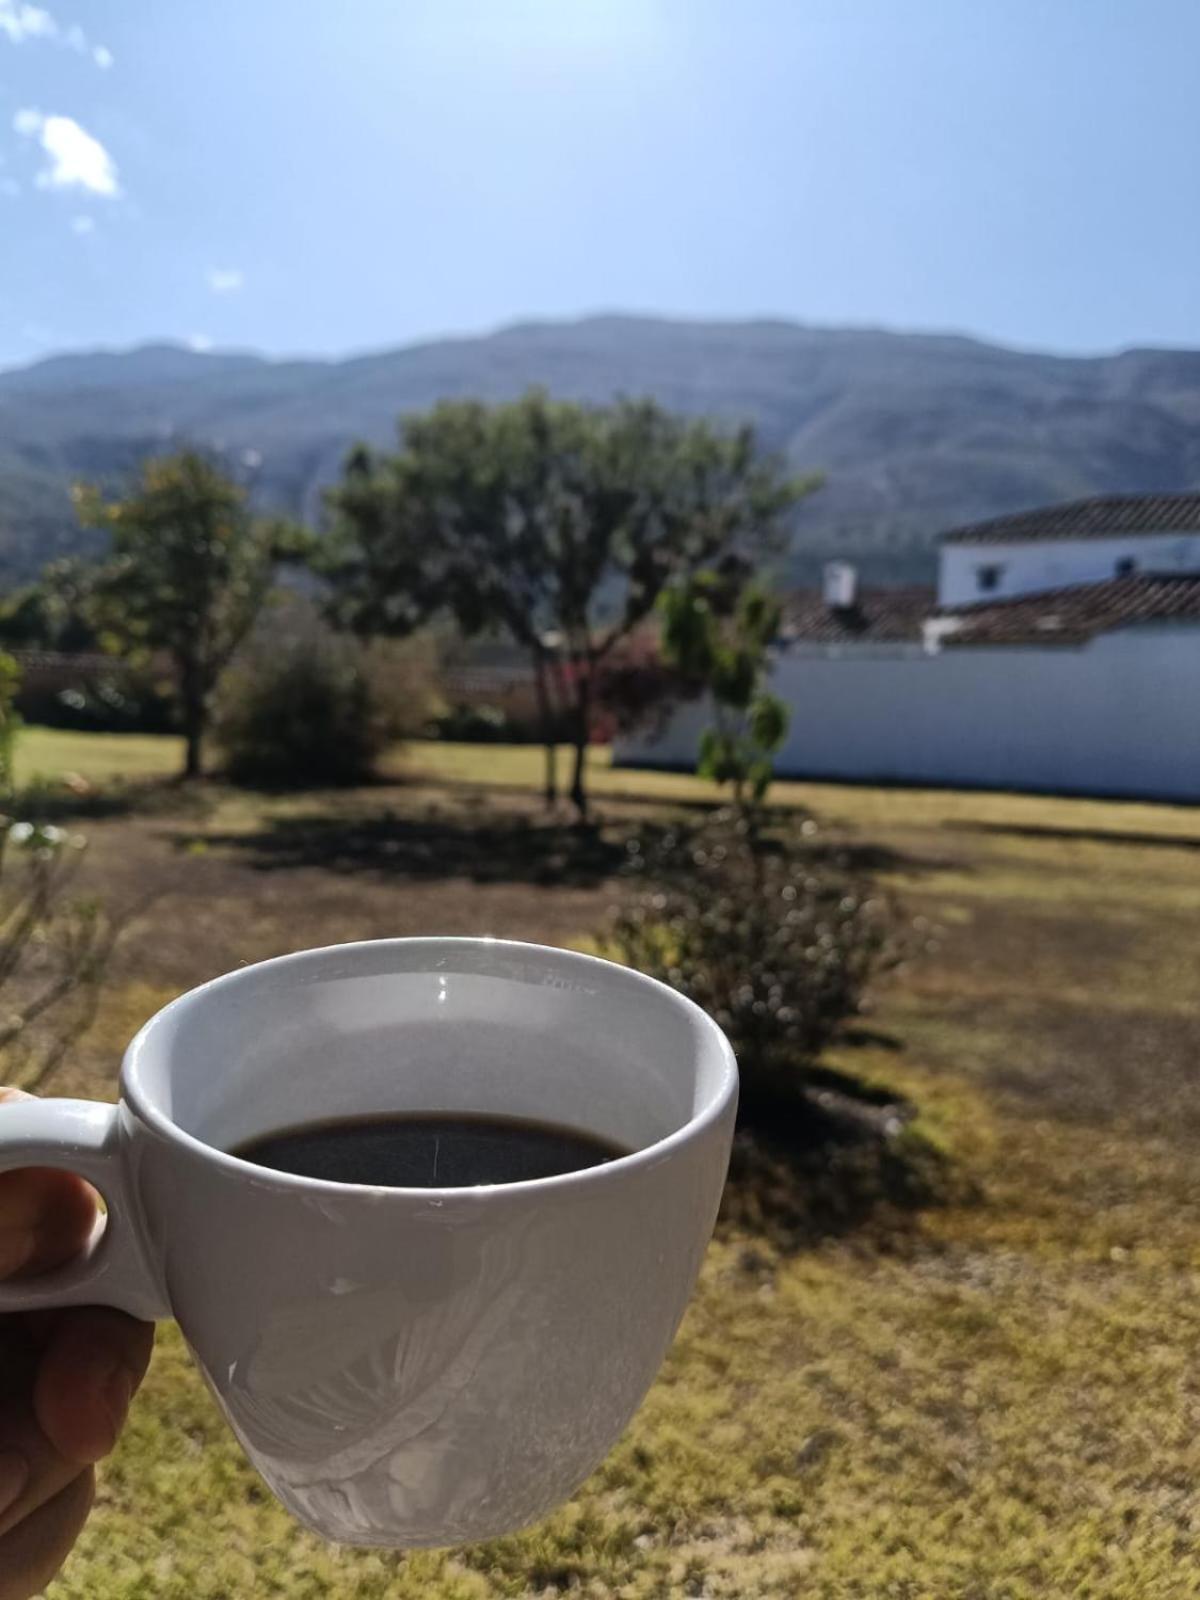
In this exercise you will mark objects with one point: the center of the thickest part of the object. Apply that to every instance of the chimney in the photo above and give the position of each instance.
(840, 585)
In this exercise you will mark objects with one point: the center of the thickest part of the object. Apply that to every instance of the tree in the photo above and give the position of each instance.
(557, 523)
(454, 523)
(717, 631)
(54, 612)
(188, 572)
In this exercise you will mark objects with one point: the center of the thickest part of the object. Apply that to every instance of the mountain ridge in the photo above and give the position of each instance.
(915, 432)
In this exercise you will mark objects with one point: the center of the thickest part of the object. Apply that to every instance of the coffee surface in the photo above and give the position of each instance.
(428, 1150)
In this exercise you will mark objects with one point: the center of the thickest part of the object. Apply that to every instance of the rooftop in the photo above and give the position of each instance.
(1111, 516)
(1068, 616)
(1075, 615)
(878, 616)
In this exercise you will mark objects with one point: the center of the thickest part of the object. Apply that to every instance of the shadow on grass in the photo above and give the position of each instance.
(867, 857)
(1039, 830)
(482, 848)
(58, 801)
(839, 1157)
(642, 802)
(871, 1039)
(864, 858)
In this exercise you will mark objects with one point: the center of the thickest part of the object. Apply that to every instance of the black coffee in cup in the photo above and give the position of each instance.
(428, 1150)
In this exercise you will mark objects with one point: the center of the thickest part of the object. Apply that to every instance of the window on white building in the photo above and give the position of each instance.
(988, 577)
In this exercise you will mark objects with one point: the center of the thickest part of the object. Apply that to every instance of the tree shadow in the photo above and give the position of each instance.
(62, 801)
(838, 1157)
(860, 1038)
(487, 846)
(483, 849)
(626, 799)
(1040, 830)
(864, 858)
(833, 844)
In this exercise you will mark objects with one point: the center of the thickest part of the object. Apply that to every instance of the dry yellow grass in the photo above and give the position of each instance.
(999, 1403)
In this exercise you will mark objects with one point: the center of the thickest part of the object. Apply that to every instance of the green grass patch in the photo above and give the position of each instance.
(96, 757)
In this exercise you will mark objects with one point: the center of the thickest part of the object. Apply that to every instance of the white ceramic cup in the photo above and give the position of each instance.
(405, 1366)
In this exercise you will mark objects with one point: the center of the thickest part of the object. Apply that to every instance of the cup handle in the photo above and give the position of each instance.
(81, 1136)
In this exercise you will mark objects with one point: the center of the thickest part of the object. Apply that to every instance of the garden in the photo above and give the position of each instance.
(968, 1373)
(941, 1343)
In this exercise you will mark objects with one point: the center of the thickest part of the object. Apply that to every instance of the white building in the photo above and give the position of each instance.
(1061, 652)
(1085, 541)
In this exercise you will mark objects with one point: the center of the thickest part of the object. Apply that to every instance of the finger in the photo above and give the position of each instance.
(89, 1371)
(34, 1467)
(34, 1551)
(32, 1471)
(46, 1216)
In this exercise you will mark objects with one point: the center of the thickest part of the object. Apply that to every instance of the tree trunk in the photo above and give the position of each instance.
(193, 734)
(194, 719)
(582, 728)
(546, 719)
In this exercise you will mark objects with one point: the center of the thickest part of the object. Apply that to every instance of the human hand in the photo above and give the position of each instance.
(66, 1380)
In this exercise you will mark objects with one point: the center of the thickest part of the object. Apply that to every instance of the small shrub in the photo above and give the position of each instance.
(476, 724)
(302, 707)
(718, 629)
(405, 678)
(54, 947)
(774, 937)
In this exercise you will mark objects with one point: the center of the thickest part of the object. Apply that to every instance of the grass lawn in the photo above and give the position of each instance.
(98, 757)
(997, 1400)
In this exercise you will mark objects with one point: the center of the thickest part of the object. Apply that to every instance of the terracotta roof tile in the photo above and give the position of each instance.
(1075, 615)
(878, 616)
(1106, 517)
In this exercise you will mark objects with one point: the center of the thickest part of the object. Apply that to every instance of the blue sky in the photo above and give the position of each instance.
(296, 176)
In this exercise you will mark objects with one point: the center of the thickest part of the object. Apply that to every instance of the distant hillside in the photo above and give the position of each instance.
(914, 432)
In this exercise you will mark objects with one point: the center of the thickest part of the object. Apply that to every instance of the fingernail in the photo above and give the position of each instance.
(14, 1475)
(117, 1393)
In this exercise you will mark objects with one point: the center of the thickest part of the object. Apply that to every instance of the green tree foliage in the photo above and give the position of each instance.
(717, 632)
(557, 523)
(54, 613)
(189, 570)
(10, 725)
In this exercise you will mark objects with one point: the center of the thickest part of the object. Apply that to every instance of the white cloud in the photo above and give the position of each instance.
(225, 280)
(199, 342)
(76, 160)
(20, 21)
(82, 225)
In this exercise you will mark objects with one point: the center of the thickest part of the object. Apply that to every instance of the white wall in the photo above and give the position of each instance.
(1118, 716)
(1029, 565)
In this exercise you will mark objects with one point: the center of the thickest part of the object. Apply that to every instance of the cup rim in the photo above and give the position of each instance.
(133, 1092)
